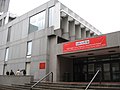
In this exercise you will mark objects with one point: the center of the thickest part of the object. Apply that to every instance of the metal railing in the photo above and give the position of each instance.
(92, 79)
(50, 73)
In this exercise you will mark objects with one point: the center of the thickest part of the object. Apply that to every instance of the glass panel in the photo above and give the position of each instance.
(90, 67)
(107, 76)
(29, 48)
(6, 54)
(37, 22)
(85, 68)
(9, 33)
(115, 67)
(106, 67)
(51, 16)
(0, 22)
(116, 76)
(116, 72)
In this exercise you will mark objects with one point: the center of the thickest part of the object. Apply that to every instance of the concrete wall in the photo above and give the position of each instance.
(9, 80)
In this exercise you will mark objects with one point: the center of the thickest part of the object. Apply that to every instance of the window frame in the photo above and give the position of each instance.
(27, 52)
(29, 31)
(6, 54)
(49, 25)
(9, 34)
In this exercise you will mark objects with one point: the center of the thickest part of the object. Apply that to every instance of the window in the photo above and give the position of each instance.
(37, 22)
(51, 16)
(6, 53)
(9, 34)
(0, 22)
(29, 48)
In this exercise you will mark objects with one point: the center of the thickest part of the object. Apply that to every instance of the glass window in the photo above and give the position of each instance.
(37, 22)
(6, 53)
(51, 16)
(0, 22)
(9, 34)
(29, 48)
(115, 67)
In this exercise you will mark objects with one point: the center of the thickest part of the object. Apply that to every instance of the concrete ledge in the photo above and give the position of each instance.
(8, 80)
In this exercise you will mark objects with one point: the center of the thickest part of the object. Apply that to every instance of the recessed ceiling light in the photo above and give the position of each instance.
(90, 54)
(112, 51)
(72, 56)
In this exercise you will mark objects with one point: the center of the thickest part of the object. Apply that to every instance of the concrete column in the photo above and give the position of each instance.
(83, 33)
(77, 32)
(4, 4)
(3, 21)
(65, 27)
(72, 30)
(88, 33)
(53, 62)
(47, 18)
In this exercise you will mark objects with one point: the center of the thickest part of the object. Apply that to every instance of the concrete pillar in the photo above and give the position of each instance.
(65, 27)
(72, 30)
(0, 22)
(4, 4)
(53, 62)
(3, 21)
(47, 18)
(83, 33)
(77, 32)
(88, 33)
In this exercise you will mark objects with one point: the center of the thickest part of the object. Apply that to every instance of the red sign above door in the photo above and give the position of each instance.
(85, 44)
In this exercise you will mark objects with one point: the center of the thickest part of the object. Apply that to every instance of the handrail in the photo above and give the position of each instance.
(50, 73)
(92, 79)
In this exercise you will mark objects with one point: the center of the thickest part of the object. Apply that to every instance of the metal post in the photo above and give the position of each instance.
(92, 80)
(52, 77)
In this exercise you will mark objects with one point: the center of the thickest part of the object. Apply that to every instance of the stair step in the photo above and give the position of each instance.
(61, 86)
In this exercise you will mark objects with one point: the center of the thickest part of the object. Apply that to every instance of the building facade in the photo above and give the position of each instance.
(48, 39)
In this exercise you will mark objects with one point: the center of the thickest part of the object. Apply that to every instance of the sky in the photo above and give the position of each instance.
(102, 14)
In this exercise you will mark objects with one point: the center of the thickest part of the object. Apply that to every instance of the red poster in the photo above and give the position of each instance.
(85, 44)
(42, 65)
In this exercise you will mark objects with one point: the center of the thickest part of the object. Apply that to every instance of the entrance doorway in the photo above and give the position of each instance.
(85, 68)
(27, 68)
(79, 69)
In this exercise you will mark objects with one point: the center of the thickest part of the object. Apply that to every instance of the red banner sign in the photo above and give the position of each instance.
(85, 44)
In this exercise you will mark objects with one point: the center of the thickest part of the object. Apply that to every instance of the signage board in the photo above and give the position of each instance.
(85, 44)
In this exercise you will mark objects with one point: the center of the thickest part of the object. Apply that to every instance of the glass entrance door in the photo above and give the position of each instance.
(79, 69)
(116, 72)
(98, 66)
(106, 72)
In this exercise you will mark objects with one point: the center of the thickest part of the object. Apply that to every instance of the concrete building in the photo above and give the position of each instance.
(52, 38)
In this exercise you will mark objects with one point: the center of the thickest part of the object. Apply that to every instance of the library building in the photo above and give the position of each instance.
(52, 38)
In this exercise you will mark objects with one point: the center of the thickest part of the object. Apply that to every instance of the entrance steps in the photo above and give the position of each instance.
(63, 86)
